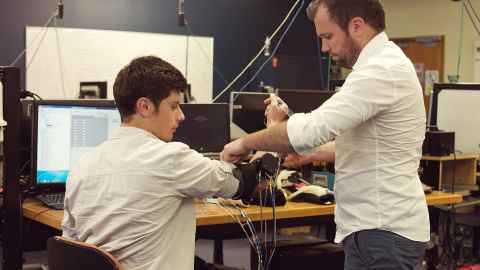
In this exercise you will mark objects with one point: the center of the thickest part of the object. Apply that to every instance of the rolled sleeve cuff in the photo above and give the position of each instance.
(296, 130)
(230, 188)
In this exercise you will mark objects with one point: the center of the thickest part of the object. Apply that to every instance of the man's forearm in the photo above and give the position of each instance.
(273, 139)
(325, 152)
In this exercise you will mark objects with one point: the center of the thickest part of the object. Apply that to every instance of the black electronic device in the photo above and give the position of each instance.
(467, 237)
(25, 142)
(62, 131)
(303, 101)
(438, 143)
(248, 110)
(206, 127)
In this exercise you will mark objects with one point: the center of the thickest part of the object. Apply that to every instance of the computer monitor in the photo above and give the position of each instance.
(302, 101)
(454, 107)
(206, 127)
(247, 110)
(62, 131)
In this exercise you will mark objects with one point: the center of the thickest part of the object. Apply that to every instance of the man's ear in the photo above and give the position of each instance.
(144, 107)
(355, 26)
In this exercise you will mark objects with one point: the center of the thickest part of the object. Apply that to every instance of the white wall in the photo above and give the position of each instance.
(410, 18)
(98, 55)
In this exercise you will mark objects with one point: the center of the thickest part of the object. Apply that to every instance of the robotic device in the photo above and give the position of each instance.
(257, 181)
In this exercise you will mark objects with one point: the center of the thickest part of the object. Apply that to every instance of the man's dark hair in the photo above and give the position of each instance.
(149, 77)
(343, 11)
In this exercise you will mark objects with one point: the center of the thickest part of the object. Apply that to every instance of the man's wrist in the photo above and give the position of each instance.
(244, 144)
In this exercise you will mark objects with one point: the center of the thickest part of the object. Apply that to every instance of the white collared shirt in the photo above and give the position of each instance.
(133, 196)
(378, 122)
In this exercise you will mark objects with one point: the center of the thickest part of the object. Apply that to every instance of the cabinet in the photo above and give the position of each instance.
(445, 171)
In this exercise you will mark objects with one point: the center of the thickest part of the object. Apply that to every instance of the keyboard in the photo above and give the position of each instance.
(52, 200)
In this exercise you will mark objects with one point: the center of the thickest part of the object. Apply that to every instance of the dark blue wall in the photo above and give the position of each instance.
(238, 26)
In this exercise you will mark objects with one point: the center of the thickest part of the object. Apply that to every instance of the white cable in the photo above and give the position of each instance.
(259, 52)
(60, 60)
(236, 219)
(256, 240)
(253, 239)
(274, 217)
(207, 58)
(44, 28)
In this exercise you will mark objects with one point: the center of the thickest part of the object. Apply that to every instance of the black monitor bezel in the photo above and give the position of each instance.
(217, 107)
(433, 103)
(256, 105)
(100, 103)
(305, 92)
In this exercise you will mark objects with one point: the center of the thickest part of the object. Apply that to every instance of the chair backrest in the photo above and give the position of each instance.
(72, 255)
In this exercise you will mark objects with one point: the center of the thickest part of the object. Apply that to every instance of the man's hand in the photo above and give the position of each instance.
(234, 152)
(276, 111)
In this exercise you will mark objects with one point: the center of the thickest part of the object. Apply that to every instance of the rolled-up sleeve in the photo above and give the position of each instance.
(194, 175)
(363, 95)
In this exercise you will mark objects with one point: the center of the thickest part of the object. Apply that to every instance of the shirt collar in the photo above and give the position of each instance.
(130, 131)
(372, 48)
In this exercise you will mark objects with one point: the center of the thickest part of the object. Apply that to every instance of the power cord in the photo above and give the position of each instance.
(27, 94)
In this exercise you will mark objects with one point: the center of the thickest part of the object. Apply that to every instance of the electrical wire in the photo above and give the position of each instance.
(36, 49)
(263, 249)
(252, 237)
(60, 59)
(273, 181)
(215, 69)
(471, 18)
(275, 49)
(473, 10)
(259, 52)
(42, 30)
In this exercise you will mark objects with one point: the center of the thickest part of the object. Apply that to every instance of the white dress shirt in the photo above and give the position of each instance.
(133, 196)
(378, 122)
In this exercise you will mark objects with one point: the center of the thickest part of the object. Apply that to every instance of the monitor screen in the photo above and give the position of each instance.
(206, 127)
(63, 130)
(453, 107)
(248, 110)
(303, 101)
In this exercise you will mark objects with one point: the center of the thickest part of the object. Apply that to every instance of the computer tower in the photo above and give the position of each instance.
(25, 143)
(467, 237)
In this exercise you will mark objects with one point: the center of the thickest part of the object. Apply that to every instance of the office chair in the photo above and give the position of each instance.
(73, 255)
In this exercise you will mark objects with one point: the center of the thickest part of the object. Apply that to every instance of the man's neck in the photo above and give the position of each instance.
(135, 121)
(370, 33)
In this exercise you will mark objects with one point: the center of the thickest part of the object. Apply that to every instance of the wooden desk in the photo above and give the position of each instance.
(211, 214)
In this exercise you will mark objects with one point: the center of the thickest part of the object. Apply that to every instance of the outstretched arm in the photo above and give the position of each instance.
(325, 152)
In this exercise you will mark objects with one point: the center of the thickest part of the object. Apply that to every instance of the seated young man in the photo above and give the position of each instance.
(133, 194)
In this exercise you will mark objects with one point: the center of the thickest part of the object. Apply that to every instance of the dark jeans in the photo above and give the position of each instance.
(378, 249)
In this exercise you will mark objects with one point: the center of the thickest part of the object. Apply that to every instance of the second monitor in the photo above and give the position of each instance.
(206, 127)
(303, 101)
